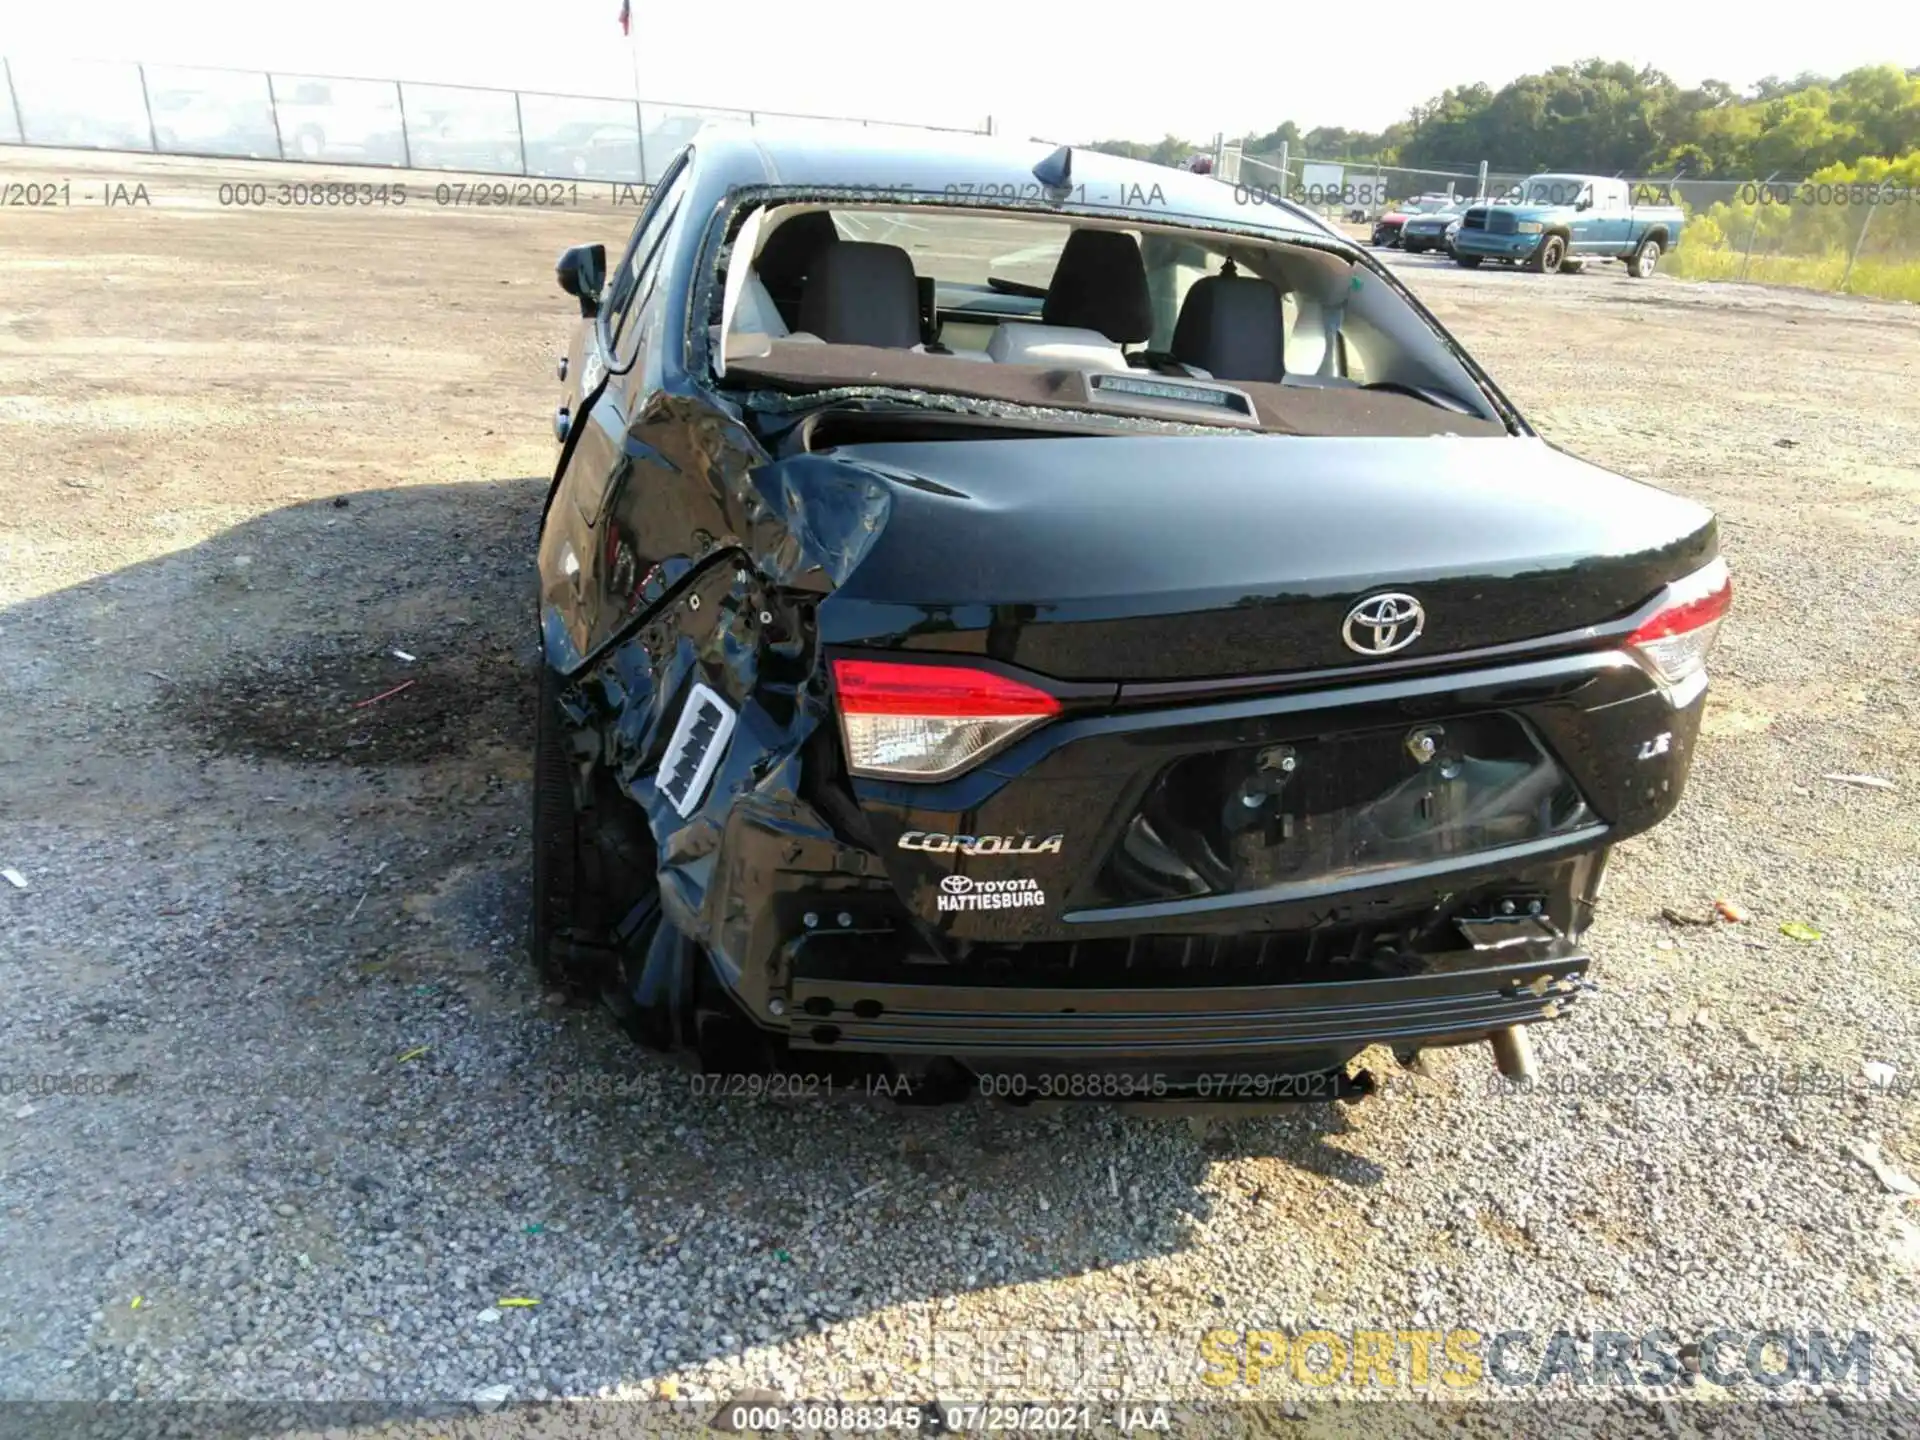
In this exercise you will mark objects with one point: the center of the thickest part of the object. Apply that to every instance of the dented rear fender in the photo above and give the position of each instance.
(701, 576)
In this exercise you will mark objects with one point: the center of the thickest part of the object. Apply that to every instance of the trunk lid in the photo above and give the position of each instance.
(1153, 557)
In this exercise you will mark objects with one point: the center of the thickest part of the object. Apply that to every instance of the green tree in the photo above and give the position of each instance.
(1606, 116)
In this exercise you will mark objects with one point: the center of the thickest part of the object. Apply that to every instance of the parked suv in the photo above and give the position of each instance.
(1387, 229)
(1429, 230)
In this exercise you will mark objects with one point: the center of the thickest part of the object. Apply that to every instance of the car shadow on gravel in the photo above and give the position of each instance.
(364, 629)
(284, 772)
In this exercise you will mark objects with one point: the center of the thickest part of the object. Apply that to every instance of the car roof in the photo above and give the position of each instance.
(904, 162)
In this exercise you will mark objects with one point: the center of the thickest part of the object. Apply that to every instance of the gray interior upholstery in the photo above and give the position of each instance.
(1233, 327)
(1100, 283)
(862, 294)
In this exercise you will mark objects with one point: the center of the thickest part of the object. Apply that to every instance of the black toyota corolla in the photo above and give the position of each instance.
(1020, 620)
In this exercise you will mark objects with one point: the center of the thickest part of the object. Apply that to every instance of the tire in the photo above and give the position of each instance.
(558, 871)
(1546, 260)
(1644, 260)
(1467, 262)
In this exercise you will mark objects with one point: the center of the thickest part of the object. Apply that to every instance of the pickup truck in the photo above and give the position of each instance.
(1548, 222)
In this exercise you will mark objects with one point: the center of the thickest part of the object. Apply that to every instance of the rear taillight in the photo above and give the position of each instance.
(925, 722)
(1676, 638)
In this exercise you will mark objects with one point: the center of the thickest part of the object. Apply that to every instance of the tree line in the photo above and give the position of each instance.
(1604, 115)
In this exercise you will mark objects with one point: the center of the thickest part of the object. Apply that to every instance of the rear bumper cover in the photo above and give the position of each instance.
(1457, 998)
(825, 937)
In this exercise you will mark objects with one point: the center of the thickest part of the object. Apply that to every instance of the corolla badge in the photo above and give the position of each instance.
(1382, 624)
(982, 844)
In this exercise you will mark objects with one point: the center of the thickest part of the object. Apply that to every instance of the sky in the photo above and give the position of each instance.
(1058, 72)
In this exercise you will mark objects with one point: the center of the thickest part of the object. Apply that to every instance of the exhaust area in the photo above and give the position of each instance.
(1513, 1052)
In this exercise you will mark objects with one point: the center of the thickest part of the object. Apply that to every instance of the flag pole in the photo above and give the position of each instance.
(633, 56)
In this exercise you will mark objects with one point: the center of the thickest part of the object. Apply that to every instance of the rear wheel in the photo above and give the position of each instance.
(1644, 260)
(1467, 262)
(559, 874)
(1546, 260)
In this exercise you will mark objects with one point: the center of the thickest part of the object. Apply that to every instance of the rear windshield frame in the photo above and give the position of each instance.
(706, 285)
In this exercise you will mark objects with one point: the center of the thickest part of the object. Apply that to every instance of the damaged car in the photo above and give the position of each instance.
(1016, 621)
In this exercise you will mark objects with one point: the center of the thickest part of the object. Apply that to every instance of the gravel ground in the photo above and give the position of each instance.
(288, 1117)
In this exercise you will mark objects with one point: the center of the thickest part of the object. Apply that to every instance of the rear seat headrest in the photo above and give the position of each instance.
(1100, 284)
(862, 294)
(1233, 327)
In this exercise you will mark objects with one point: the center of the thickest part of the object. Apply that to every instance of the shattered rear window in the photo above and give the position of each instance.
(1029, 310)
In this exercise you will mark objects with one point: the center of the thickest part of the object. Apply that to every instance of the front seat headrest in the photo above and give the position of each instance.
(1101, 284)
(862, 294)
(1232, 326)
(792, 248)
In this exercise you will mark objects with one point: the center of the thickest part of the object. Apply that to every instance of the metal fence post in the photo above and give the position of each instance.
(153, 135)
(1480, 185)
(406, 140)
(273, 109)
(13, 95)
(520, 129)
(1858, 240)
(1283, 168)
(1759, 199)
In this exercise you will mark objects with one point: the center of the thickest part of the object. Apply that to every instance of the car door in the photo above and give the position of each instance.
(1621, 230)
(1611, 218)
(1585, 226)
(605, 391)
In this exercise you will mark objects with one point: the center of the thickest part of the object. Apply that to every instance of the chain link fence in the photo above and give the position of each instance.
(1852, 237)
(239, 114)
(1350, 190)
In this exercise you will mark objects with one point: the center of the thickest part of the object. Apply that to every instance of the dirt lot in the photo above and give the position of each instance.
(287, 1114)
